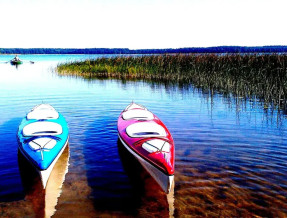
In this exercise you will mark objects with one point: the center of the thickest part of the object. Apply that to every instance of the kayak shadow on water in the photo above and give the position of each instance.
(10, 183)
(43, 201)
(15, 65)
(119, 184)
(111, 192)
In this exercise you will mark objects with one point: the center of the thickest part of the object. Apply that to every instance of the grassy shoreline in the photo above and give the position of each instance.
(248, 75)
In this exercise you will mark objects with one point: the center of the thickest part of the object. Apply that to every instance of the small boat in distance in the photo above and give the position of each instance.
(42, 137)
(148, 139)
(16, 60)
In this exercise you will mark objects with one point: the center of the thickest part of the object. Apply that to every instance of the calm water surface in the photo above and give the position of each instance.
(231, 155)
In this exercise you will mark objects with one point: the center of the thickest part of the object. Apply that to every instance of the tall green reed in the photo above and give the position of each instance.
(263, 76)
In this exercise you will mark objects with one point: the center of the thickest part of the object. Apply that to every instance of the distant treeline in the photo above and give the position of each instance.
(219, 49)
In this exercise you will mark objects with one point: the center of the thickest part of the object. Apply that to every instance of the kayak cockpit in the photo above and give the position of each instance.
(42, 128)
(145, 129)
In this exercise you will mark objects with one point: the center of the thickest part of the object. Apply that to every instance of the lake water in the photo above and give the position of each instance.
(231, 154)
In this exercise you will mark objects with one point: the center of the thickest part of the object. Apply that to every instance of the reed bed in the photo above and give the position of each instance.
(262, 76)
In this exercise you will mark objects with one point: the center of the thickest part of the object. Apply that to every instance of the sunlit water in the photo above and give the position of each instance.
(231, 155)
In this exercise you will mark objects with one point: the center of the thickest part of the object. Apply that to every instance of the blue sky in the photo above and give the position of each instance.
(141, 24)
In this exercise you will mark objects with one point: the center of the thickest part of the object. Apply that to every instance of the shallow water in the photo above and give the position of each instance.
(231, 157)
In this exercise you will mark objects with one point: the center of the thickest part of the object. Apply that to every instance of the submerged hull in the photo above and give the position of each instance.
(45, 174)
(150, 142)
(44, 201)
(165, 181)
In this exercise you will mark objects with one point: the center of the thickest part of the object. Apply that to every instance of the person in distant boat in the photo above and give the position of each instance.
(16, 58)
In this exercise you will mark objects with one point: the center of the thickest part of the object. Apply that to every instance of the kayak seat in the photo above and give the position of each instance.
(42, 129)
(145, 129)
(138, 115)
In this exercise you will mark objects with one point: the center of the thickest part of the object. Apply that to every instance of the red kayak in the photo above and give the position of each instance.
(148, 139)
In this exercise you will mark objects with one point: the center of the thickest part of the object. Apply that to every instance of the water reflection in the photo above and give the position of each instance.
(43, 201)
(241, 102)
(230, 152)
(15, 65)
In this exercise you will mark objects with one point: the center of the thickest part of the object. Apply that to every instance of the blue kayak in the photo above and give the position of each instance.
(42, 137)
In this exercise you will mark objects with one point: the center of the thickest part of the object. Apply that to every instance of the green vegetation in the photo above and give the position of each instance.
(262, 76)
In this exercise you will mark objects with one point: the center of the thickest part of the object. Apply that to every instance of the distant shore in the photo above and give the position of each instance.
(215, 49)
(263, 76)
